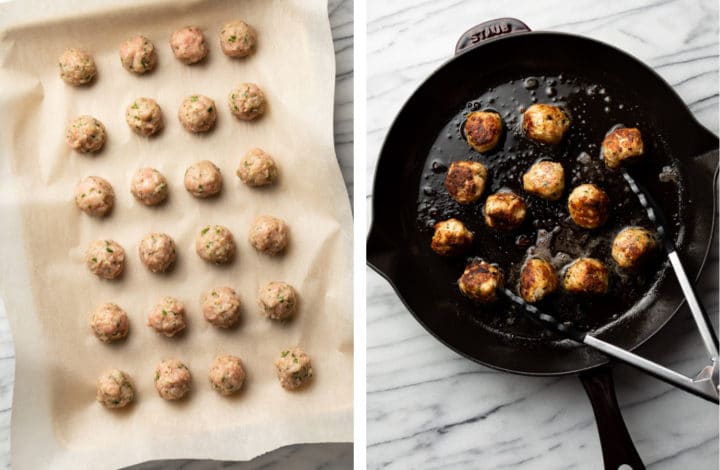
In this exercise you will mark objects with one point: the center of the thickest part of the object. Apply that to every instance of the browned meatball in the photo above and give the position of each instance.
(465, 181)
(633, 246)
(537, 280)
(621, 145)
(451, 238)
(504, 211)
(586, 276)
(545, 123)
(589, 206)
(483, 130)
(545, 179)
(481, 281)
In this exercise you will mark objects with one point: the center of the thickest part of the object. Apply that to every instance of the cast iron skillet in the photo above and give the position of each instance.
(488, 55)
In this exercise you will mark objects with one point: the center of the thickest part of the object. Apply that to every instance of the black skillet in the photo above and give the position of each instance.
(503, 66)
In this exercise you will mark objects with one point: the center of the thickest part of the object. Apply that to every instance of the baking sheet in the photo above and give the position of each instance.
(49, 292)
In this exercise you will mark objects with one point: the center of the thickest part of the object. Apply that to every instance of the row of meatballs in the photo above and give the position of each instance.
(173, 380)
(95, 196)
(220, 307)
(138, 54)
(214, 244)
(197, 114)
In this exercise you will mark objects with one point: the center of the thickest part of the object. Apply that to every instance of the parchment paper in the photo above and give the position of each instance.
(49, 293)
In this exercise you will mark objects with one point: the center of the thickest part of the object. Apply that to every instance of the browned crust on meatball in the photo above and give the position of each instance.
(451, 238)
(483, 130)
(593, 273)
(633, 247)
(465, 181)
(622, 144)
(589, 206)
(480, 281)
(504, 211)
(537, 279)
(545, 179)
(545, 123)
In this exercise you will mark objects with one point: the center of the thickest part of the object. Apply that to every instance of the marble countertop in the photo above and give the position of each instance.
(430, 408)
(300, 457)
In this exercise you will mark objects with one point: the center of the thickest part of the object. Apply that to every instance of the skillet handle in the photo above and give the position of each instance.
(617, 445)
(489, 30)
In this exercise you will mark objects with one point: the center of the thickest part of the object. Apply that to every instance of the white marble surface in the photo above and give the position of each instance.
(299, 457)
(430, 408)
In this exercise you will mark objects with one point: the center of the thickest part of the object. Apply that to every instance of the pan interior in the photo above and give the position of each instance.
(594, 108)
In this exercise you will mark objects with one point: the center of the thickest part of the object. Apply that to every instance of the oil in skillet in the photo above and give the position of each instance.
(594, 110)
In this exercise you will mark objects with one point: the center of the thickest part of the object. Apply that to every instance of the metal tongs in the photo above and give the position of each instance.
(705, 383)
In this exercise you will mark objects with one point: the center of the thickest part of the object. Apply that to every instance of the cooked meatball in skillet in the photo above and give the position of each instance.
(586, 276)
(545, 123)
(621, 145)
(483, 130)
(545, 179)
(451, 238)
(465, 181)
(538, 279)
(633, 247)
(480, 281)
(504, 211)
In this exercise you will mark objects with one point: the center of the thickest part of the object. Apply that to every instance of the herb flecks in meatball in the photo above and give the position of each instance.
(77, 67)
(277, 301)
(221, 307)
(144, 117)
(167, 317)
(114, 389)
(214, 243)
(293, 368)
(157, 252)
(589, 206)
(545, 179)
(465, 181)
(257, 168)
(451, 238)
(269, 235)
(586, 276)
(227, 375)
(480, 281)
(197, 113)
(238, 39)
(633, 247)
(172, 379)
(621, 145)
(483, 130)
(149, 186)
(109, 323)
(188, 45)
(203, 179)
(94, 196)
(105, 259)
(138, 55)
(504, 211)
(545, 123)
(538, 279)
(85, 134)
(247, 102)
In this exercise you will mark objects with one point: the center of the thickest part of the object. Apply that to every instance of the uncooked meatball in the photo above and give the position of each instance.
(221, 307)
(172, 379)
(257, 168)
(537, 280)
(633, 246)
(149, 186)
(269, 235)
(238, 39)
(483, 130)
(545, 179)
(586, 276)
(480, 281)
(94, 196)
(167, 317)
(203, 179)
(138, 55)
(504, 211)
(589, 206)
(277, 301)
(621, 145)
(114, 389)
(215, 244)
(451, 238)
(197, 113)
(105, 259)
(188, 45)
(85, 134)
(157, 252)
(144, 117)
(545, 123)
(465, 181)
(293, 368)
(247, 102)
(109, 323)
(77, 67)
(227, 374)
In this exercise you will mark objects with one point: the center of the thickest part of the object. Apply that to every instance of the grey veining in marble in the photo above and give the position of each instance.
(430, 408)
(300, 457)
